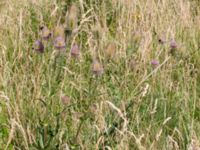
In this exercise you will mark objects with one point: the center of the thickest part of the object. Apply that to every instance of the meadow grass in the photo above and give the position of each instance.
(134, 85)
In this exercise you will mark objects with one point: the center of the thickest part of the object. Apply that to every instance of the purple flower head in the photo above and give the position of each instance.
(75, 51)
(155, 63)
(59, 43)
(38, 46)
(173, 44)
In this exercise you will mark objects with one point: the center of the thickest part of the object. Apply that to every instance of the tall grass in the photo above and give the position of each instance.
(131, 87)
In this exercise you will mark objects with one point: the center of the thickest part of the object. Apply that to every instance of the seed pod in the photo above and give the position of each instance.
(97, 68)
(59, 43)
(110, 50)
(75, 51)
(45, 32)
(38, 46)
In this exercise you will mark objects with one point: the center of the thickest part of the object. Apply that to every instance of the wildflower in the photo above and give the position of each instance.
(154, 63)
(75, 51)
(97, 68)
(38, 46)
(45, 32)
(65, 100)
(173, 44)
(110, 50)
(59, 43)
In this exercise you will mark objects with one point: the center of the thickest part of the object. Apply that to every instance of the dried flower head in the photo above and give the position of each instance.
(110, 50)
(72, 17)
(59, 43)
(154, 63)
(38, 46)
(97, 68)
(75, 51)
(45, 32)
(65, 100)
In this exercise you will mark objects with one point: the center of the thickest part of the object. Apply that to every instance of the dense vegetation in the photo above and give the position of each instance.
(100, 74)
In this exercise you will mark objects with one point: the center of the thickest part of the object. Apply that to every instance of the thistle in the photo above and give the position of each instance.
(38, 46)
(45, 32)
(75, 51)
(59, 43)
(97, 68)
(173, 46)
(155, 63)
(72, 17)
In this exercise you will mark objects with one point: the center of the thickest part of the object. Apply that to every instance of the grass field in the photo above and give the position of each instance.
(100, 74)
